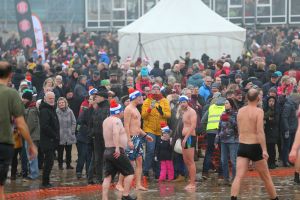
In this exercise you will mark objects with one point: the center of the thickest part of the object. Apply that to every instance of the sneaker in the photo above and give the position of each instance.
(47, 185)
(179, 179)
(128, 198)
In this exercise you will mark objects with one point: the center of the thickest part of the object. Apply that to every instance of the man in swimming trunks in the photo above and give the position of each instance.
(189, 119)
(252, 145)
(132, 124)
(115, 140)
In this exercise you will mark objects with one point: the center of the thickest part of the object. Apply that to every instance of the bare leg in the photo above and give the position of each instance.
(188, 155)
(262, 168)
(119, 185)
(127, 184)
(105, 187)
(138, 174)
(241, 170)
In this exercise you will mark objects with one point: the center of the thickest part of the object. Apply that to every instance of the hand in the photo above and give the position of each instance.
(117, 153)
(159, 109)
(32, 152)
(265, 155)
(293, 155)
(130, 144)
(149, 138)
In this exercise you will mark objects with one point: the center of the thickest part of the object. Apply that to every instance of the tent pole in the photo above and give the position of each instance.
(140, 46)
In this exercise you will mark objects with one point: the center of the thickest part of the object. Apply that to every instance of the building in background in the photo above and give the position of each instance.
(109, 15)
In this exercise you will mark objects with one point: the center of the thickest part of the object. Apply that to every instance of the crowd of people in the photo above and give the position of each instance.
(67, 98)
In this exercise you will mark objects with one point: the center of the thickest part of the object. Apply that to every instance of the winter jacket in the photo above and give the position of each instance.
(104, 58)
(157, 72)
(31, 116)
(16, 79)
(204, 91)
(152, 118)
(38, 79)
(289, 118)
(271, 119)
(82, 127)
(49, 126)
(163, 150)
(219, 72)
(96, 120)
(80, 92)
(261, 75)
(195, 80)
(228, 132)
(67, 126)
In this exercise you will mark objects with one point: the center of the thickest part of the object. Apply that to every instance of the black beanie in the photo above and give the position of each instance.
(27, 95)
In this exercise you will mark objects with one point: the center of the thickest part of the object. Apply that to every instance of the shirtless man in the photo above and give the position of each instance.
(294, 156)
(115, 158)
(189, 139)
(252, 145)
(132, 123)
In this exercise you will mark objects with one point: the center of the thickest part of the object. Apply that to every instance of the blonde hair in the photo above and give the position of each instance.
(63, 99)
(49, 80)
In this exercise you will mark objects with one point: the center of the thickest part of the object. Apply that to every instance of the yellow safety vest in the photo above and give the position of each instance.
(214, 113)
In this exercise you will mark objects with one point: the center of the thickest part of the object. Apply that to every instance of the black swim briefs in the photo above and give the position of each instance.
(190, 142)
(251, 151)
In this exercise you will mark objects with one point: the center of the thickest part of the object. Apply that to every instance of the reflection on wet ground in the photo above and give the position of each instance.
(68, 187)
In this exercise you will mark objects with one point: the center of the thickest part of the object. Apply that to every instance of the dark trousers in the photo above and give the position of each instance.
(179, 166)
(41, 157)
(24, 160)
(14, 162)
(272, 153)
(286, 146)
(60, 156)
(6, 155)
(210, 140)
(48, 164)
(96, 164)
(84, 157)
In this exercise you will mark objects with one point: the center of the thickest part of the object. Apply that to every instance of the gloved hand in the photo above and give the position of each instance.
(159, 109)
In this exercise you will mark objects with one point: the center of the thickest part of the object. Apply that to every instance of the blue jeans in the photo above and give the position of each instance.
(149, 158)
(33, 164)
(286, 147)
(84, 157)
(228, 150)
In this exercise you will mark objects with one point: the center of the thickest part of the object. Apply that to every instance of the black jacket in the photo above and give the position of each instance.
(16, 79)
(266, 87)
(163, 150)
(38, 79)
(83, 121)
(271, 118)
(49, 126)
(96, 120)
(289, 118)
(157, 72)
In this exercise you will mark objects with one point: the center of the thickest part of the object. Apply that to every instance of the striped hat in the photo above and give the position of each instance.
(135, 94)
(115, 108)
(183, 98)
(93, 91)
(164, 127)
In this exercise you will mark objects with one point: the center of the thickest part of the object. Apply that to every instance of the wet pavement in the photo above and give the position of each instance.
(67, 186)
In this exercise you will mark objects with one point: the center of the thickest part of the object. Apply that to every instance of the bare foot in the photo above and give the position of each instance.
(190, 187)
(141, 188)
(119, 188)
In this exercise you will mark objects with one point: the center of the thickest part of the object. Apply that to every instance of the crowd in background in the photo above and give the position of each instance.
(67, 94)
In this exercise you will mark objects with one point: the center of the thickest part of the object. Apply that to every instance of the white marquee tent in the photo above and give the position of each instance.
(173, 27)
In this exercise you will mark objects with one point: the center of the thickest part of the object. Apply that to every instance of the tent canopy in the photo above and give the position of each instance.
(173, 27)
